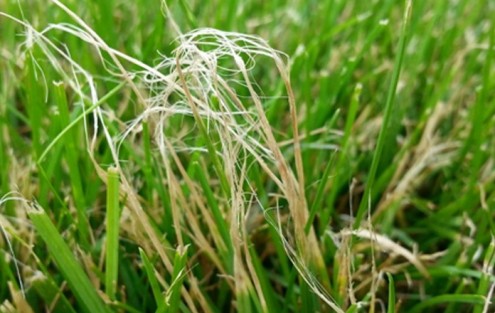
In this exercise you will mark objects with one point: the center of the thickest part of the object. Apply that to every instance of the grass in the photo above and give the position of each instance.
(166, 157)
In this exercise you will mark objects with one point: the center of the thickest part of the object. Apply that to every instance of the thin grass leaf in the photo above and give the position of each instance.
(155, 286)
(351, 117)
(387, 115)
(484, 283)
(391, 294)
(73, 164)
(78, 281)
(454, 298)
(268, 292)
(80, 118)
(112, 231)
(353, 309)
(198, 172)
(172, 297)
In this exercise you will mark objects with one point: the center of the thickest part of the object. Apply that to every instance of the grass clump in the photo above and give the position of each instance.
(175, 161)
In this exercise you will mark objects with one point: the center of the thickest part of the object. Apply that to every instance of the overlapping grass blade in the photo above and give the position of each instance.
(71, 269)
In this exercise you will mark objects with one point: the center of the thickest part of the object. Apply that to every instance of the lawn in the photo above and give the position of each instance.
(247, 156)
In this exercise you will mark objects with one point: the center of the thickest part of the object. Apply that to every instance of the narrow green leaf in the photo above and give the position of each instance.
(73, 164)
(72, 271)
(213, 205)
(387, 116)
(344, 146)
(353, 309)
(268, 292)
(454, 298)
(309, 300)
(155, 286)
(391, 294)
(484, 284)
(172, 297)
(80, 118)
(112, 228)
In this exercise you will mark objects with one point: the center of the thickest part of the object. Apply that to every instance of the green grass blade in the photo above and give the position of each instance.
(309, 300)
(73, 164)
(155, 286)
(391, 294)
(344, 147)
(148, 161)
(353, 309)
(387, 116)
(213, 205)
(72, 271)
(80, 118)
(191, 20)
(173, 293)
(454, 298)
(484, 284)
(112, 228)
(268, 292)
(34, 103)
(244, 302)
